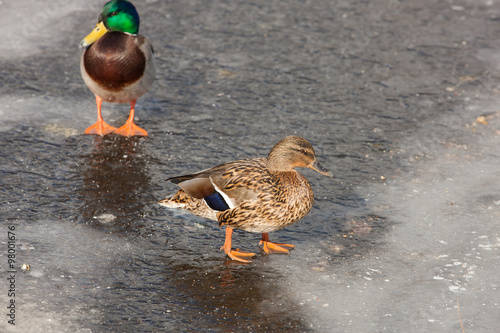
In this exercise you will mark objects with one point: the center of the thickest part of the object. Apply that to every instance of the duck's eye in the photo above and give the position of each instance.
(113, 13)
(303, 151)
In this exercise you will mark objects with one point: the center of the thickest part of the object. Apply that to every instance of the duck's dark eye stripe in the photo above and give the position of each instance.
(305, 152)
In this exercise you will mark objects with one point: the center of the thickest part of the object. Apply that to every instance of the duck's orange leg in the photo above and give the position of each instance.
(238, 255)
(100, 127)
(270, 247)
(131, 129)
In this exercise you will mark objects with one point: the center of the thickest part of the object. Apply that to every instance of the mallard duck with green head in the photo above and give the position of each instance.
(117, 64)
(258, 195)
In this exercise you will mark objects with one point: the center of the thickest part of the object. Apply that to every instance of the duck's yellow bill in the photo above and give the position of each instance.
(98, 31)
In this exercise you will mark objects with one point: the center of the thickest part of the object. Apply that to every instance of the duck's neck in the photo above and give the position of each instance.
(278, 165)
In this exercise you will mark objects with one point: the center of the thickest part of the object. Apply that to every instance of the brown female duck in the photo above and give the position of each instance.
(256, 195)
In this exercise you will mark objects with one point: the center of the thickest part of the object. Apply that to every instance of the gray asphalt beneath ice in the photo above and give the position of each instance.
(381, 89)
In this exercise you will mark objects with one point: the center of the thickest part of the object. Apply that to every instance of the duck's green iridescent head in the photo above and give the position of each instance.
(116, 15)
(120, 15)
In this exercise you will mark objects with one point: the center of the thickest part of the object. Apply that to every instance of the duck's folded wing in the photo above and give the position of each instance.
(239, 182)
(194, 185)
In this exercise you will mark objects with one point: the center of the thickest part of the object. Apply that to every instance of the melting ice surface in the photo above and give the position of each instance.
(399, 100)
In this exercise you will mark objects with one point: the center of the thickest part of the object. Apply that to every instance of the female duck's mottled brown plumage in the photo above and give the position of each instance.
(257, 195)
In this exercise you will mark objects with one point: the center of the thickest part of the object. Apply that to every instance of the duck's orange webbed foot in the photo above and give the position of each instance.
(100, 128)
(131, 129)
(270, 247)
(239, 255)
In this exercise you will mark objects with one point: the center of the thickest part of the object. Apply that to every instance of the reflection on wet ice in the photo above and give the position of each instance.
(115, 178)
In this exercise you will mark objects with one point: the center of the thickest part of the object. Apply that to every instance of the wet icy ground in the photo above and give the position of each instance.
(400, 100)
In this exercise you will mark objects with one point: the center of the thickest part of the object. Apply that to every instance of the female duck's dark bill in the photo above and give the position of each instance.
(321, 169)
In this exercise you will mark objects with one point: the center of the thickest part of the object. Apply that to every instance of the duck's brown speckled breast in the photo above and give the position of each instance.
(115, 61)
